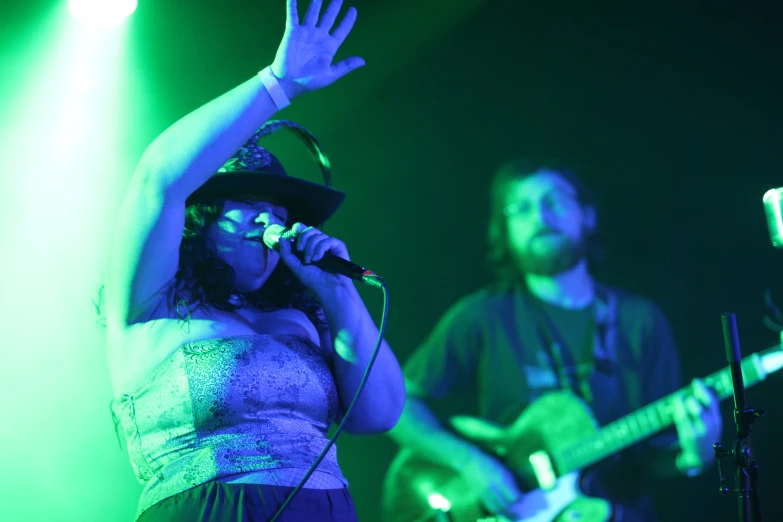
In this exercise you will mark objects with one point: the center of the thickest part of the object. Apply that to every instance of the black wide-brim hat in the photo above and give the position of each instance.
(254, 171)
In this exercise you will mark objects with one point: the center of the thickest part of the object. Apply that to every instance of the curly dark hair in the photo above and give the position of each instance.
(499, 256)
(205, 280)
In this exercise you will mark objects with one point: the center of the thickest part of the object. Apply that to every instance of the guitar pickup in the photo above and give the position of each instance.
(543, 470)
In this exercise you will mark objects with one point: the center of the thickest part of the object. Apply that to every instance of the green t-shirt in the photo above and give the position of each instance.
(489, 356)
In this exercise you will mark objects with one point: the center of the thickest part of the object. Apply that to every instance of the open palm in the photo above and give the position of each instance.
(304, 59)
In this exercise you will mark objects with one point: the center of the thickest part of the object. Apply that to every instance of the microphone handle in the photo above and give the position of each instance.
(338, 265)
(329, 263)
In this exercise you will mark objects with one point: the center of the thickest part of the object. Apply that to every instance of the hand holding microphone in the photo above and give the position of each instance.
(317, 259)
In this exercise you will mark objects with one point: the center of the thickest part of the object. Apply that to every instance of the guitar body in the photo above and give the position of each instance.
(558, 425)
(555, 419)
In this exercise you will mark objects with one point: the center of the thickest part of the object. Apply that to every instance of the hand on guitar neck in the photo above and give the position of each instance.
(699, 426)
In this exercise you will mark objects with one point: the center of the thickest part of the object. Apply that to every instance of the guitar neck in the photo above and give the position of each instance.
(651, 419)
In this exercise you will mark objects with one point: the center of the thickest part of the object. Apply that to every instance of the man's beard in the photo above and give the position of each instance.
(553, 262)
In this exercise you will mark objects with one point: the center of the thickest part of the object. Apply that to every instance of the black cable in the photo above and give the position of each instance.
(350, 408)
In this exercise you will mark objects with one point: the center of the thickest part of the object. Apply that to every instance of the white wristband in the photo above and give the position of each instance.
(272, 86)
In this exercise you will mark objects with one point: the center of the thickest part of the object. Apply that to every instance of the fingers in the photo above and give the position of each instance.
(694, 422)
(702, 393)
(330, 15)
(314, 244)
(688, 461)
(321, 246)
(311, 16)
(695, 411)
(697, 418)
(326, 21)
(284, 249)
(304, 240)
(499, 498)
(345, 66)
(292, 15)
(492, 502)
(714, 421)
(709, 415)
(340, 33)
(298, 228)
(502, 492)
(509, 495)
(682, 422)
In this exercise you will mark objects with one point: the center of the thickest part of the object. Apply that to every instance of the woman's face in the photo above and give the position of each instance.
(236, 236)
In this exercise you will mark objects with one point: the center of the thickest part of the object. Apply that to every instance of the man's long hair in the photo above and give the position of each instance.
(506, 271)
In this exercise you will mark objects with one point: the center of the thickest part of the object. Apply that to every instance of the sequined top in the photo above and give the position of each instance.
(231, 405)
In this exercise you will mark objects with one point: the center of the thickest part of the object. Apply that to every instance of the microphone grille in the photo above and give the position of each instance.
(274, 233)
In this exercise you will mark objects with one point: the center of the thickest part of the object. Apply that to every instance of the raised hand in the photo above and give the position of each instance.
(303, 62)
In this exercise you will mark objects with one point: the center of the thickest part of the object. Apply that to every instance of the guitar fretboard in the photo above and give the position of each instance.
(646, 421)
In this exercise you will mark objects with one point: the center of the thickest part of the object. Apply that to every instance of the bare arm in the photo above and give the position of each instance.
(419, 430)
(186, 154)
(355, 336)
(353, 332)
(144, 253)
(483, 476)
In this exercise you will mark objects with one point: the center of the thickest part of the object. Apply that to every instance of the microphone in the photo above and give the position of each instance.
(273, 234)
(773, 208)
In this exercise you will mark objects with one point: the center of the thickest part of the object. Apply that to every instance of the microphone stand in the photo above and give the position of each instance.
(746, 479)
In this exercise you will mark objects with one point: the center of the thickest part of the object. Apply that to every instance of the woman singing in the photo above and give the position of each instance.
(222, 351)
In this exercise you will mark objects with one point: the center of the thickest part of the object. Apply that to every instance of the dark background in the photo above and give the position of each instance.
(671, 113)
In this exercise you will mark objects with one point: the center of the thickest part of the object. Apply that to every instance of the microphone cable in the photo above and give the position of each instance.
(339, 429)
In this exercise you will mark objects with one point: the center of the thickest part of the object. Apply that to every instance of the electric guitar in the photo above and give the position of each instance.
(546, 447)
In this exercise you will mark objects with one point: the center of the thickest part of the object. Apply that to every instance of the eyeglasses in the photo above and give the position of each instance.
(557, 204)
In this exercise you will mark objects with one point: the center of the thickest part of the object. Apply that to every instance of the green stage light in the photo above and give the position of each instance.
(102, 12)
(64, 165)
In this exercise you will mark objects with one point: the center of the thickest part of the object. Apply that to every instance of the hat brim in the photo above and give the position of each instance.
(306, 202)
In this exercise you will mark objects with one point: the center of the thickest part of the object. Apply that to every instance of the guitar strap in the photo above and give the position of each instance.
(602, 336)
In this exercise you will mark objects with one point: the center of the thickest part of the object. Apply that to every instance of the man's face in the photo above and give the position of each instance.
(547, 225)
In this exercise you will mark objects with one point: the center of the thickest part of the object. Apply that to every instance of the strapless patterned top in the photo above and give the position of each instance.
(229, 406)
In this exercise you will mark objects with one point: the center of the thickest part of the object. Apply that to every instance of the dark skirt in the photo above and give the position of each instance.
(223, 502)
